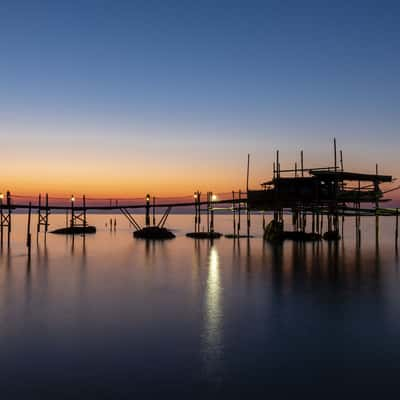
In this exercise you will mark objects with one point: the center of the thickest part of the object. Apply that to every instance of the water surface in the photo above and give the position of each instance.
(108, 316)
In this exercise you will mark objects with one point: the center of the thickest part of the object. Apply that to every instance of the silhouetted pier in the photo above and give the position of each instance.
(326, 195)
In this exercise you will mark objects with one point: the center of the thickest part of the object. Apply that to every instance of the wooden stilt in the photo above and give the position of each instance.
(147, 221)
(234, 213)
(154, 211)
(28, 231)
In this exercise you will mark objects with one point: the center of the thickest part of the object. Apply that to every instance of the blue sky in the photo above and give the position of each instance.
(172, 83)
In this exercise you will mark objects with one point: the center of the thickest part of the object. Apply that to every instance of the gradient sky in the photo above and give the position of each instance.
(127, 97)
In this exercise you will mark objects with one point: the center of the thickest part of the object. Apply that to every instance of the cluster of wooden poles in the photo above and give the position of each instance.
(299, 216)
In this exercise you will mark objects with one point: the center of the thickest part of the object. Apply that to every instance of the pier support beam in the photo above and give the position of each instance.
(5, 217)
(147, 219)
(43, 214)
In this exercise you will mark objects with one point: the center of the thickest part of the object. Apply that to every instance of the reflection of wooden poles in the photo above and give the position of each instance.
(263, 220)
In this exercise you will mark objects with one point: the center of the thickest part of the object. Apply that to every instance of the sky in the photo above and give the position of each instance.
(122, 98)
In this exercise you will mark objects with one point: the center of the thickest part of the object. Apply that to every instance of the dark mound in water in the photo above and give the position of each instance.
(154, 233)
(232, 236)
(204, 235)
(332, 235)
(301, 236)
(75, 230)
(274, 233)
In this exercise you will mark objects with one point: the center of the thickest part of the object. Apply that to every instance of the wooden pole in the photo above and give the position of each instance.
(234, 213)
(154, 211)
(248, 172)
(28, 233)
(397, 227)
(334, 153)
(376, 188)
(239, 209)
(46, 226)
(84, 212)
(341, 160)
(195, 211)
(302, 162)
(72, 213)
(278, 173)
(208, 212)
(147, 219)
(39, 212)
(212, 213)
(1, 219)
(198, 211)
(9, 213)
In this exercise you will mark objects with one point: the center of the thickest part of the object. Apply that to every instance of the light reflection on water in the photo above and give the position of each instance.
(213, 317)
(121, 315)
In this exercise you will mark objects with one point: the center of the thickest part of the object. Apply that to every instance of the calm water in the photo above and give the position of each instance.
(110, 316)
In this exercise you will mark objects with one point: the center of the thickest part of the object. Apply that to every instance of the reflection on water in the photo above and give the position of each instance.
(212, 336)
(126, 316)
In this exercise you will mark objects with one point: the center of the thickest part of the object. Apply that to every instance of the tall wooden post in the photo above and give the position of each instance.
(72, 213)
(46, 226)
(39, 215)
(9, 214)
(334, 153)
(263, 220)
(208, 212)
(212, 213)
(84, 212)
(147, 221)
(195, 211)
(239, 209)
(7, 218)
(234, 213)
(376, 188)
(397, 228)
(28, 233)
(198, 211)
(154, 211)
(1, 219)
